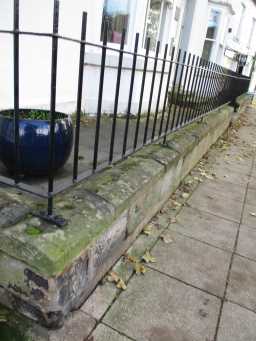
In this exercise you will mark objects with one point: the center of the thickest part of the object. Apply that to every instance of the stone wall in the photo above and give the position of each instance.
(47, 274)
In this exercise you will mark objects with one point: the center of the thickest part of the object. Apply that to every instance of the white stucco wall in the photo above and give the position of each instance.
(35, 52)
(35, 55)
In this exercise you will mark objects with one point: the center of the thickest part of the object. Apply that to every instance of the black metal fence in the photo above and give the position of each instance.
(189, 87)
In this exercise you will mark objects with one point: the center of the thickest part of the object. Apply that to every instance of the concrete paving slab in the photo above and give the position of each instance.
(99, 301)
(241, 287)
(155, 307)
(220, 188)
(252, 183)
(251, 196)
(104, 333)
(237, 324)
(246, 242)
(232, 163)
(254, 171)
(229, 174)
(206, 227)
(194, 262)
(77, 328)
(215, 203)
(249, 216)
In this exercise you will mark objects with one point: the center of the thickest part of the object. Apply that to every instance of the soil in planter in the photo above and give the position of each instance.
(42, 115)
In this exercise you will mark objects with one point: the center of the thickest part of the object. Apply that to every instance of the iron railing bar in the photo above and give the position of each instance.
(118, 81)
(193, 88)
(201, 89)
(202, 109)
(159, 92)
(166, 92)
(79, 96)
(178, 92)
(151, 93)
(215, 88)
(206, 87)
(188, 91)
(207, 91)
(223, 79)
(218, 87)
(141, 94)
(225, 88)
(128, 114)
(197, 88)
(53, 107)
(16, 90)
(172, 94)
(211, 88)
(99, 106)
(182, 106)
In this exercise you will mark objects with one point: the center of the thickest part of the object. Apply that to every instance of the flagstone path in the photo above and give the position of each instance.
(199, 281)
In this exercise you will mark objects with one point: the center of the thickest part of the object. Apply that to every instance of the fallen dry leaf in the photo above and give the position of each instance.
(185, 195)
(148, 258)
(147, 230)
(121, 285)
(113, 277)
(139, 268)
(132, 259)
(176, 203)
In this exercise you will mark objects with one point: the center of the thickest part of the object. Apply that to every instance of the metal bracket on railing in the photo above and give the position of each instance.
(235, 105)
(56, 220)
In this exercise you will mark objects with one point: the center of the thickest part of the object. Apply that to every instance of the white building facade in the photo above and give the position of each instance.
(221, 31)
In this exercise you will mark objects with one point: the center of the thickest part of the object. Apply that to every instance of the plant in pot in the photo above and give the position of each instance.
(34, 140)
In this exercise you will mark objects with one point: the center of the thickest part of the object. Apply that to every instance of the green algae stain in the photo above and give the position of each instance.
(8, 333)
(32, 231)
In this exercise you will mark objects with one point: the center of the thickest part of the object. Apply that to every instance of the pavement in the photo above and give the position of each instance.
(191, 274)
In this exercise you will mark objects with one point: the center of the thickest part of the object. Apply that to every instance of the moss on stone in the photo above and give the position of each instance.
(114, 190)
(32, 231)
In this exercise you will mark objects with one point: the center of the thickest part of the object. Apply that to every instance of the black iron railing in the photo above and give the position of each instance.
(189, 88)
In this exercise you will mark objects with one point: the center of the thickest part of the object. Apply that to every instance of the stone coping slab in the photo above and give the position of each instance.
(47, 272)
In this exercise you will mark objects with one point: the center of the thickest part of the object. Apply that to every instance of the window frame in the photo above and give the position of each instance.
(160, 26)
(215, 41)
(241, 20)
(252, 30)
(130, 26)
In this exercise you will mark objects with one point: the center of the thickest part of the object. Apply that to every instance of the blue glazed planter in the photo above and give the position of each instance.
(34, 142)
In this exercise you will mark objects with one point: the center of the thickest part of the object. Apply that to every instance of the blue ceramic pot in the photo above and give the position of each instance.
(34, 142)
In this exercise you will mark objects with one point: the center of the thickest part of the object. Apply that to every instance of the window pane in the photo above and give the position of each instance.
(153, 21)
(116, 15)
(213, 23)
(207, 49)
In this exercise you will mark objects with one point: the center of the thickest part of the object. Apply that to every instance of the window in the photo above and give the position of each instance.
(211, 35)
(239, 28)
(157, 21)
(153, 22)
(116, 15)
